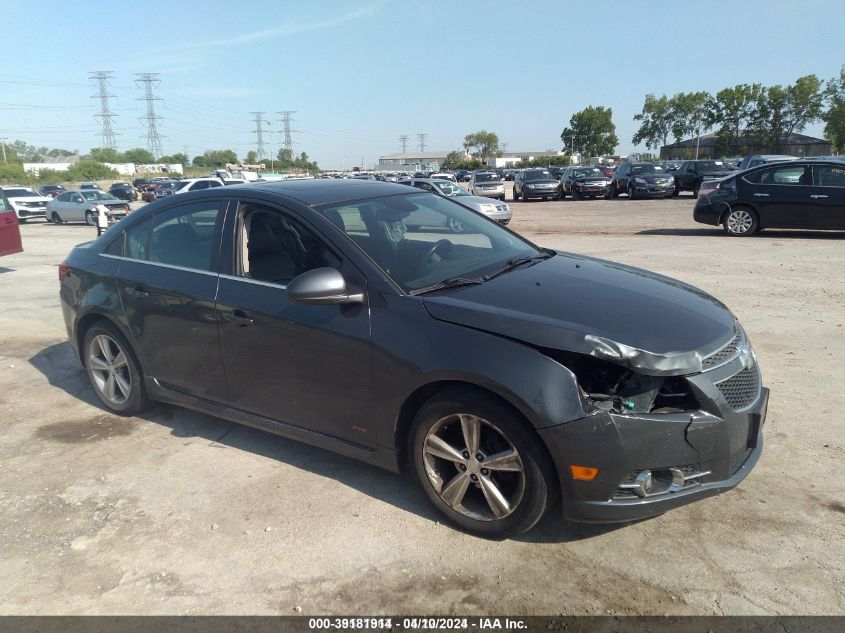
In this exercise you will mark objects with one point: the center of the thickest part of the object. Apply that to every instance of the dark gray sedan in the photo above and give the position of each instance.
(505, 376)
(497, 210)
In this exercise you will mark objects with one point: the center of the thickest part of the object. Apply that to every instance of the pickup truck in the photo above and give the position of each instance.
(693, 172)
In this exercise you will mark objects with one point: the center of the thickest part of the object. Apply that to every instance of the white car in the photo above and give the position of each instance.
(196, 184)
(26, 202)
(82, 205)
(443, 176)
(487, 183)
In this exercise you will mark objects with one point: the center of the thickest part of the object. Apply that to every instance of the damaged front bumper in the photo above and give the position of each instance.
(688, 455)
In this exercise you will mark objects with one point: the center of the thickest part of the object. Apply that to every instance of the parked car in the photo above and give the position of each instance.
(488, 184)
(81, 205)
(124, 191)
(503, 374)
(641, 180)
(800, 194)
(761, 159)
(50, 190)
(234, 181)
(557, 171)
(535, 183)
(510, 174)
(444, 176)
(583, 182)
(607, 170)
(197, 184)
(693, 172)
(10, 233)
(89, 185)
(25, 202)
(142, 184)
(498, 211)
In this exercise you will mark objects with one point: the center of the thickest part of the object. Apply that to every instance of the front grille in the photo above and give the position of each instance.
(723, 355)
(741, 389)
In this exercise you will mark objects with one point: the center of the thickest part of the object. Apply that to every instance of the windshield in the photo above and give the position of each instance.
(713, 165)
(96, 195)
(486, 178)
(587, 172)
(450, 190)
(537, 174)
(21, 193)
(421, 239)
(648, 169)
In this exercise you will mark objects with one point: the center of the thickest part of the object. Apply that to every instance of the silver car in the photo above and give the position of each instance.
(81, 205)
(495, 210)
(488, 184)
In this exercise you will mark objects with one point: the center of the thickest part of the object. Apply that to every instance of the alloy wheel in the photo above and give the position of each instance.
(739, 221)
(110, 369)
(473, 467)
(90, 218)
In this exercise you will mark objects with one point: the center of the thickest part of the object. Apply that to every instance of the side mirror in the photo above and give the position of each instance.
(322, 285)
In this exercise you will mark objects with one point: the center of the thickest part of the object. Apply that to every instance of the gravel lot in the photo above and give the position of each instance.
(177, 512)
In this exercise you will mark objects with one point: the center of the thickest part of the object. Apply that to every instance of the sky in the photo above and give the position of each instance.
(361, 73)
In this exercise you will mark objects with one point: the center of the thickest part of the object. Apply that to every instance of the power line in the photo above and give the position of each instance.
(103, 77)
(404, 141)
(421, 137)
(259, 138)
(287, 141)
(147, 81)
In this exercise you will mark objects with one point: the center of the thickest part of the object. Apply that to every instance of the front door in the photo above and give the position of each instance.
(168, 284)
(305, 365)
(782, 196)
(828, 196)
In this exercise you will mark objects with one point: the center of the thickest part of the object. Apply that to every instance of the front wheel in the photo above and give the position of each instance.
(90, 218)
(56, 219)
(741, 222)
(480, 464)
(515, 195)
(112, 369)
(632, 193)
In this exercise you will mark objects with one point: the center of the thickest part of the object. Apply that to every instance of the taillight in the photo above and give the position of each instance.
(705, 189)
(63, 271)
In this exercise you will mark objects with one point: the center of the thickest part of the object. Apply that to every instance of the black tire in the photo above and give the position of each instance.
(676, 192)
(537, 487)
(56, 218)
(515, 195)
(562, 193)
(21, 220)
(576, 195)
(632, 193)
(136, 400)
(740, 221)
(90, 218)
(696, 190)
(611, 192)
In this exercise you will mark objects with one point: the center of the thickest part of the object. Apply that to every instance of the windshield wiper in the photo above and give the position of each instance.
(519, 261)
(452, 282)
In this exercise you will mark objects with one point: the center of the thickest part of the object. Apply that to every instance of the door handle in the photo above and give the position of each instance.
(137, 292)
(238, 317)
(761, 195)
(818, 195)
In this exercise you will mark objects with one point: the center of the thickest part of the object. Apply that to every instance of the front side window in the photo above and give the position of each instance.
(421, 239)
(137, 239)
(829, 176)
(184, 235)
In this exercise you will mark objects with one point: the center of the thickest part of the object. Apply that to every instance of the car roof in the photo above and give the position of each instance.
(324, 191)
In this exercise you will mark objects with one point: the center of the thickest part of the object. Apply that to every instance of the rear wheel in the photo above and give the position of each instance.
(112, 369)
(741, 222)
(481, 465)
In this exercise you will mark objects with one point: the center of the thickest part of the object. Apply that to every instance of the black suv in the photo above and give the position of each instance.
(584, 182)
(124, 191)
(535, 183)
(641, 180)
(693, 172)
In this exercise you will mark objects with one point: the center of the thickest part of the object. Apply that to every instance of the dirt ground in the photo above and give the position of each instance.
(176, 512)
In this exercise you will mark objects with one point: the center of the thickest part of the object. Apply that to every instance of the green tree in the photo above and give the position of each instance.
(834, 117)
(87, 169)
(21, 151)
(482, 144)
(138, 155)
(251, 157)
(12, 173)
(200, 161)
(174, 159)
(689, 114)
(784, 111)
(591, 132)
(285, 157)
(60, 152)
(656, 121)
(105, 155)
(453, 159)
(220, 157)
(732, 112)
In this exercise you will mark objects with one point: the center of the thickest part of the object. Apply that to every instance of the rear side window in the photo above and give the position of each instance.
(785, 176)
(184, 235)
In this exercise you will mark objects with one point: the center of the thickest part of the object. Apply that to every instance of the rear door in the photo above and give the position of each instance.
(304, 365)
(828, 196)
(781, 195)
(10, 233)
(168, 278)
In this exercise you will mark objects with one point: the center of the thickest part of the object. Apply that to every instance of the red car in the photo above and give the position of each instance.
(10, 233)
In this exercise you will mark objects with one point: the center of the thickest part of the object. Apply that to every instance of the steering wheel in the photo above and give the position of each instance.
(444, 246)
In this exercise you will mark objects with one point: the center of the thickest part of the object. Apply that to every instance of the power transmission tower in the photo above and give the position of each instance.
(147, 81)
(287, 142)
(102, 79)
(259, 136)
(422, 141)
(404, 140)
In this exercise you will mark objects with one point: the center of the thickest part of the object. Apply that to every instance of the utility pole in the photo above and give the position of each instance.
(3, 142)
(147, 81)
(286, 131)
(404, 141)
(270, 143)
(259, 136)
(421, 137)
(102, 79)
(504, 147)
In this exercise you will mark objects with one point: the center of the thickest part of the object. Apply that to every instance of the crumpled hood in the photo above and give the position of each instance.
(642, 320)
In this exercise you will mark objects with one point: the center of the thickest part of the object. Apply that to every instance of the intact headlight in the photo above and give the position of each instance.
(530, 186)
(641, 181)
